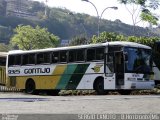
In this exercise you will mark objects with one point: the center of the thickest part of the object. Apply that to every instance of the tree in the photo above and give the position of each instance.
(27, 38)
(106, 37)
(143, 6)
(79, 40)
(4, 48)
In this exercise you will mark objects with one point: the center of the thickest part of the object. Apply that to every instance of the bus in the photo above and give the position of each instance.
(156, 64)
(111, 66)
(3, 56)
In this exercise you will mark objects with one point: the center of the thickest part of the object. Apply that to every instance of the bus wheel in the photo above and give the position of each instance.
(99, 87)
(125, 92)
(30, 87)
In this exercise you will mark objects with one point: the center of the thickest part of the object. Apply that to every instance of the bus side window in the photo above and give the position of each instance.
(40, 58)
(99, 53)
(11, 60)
(31, 59)
(55, 57)
(47, 57)
(80, 55)
(63, 56)
(43, 58)
(28, 59)
(14, 60)
(25, 59)
(72, 56)
(17, 60)
(91, 54)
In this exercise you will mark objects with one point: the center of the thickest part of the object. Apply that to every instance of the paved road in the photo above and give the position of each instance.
(22, 103)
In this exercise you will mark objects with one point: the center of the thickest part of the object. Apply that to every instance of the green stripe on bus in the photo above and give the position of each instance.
(66, 76)
(77, 76)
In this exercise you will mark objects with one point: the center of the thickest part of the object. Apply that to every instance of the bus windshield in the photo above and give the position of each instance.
(138, 60)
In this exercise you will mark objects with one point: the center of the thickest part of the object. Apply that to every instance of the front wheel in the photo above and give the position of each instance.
(99, 87)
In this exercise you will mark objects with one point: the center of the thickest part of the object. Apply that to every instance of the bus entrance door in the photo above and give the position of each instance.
(119, 68)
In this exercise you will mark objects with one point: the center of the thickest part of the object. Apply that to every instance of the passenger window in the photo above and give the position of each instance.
(14, 60)
(17, 60)
(11, 60)
(31, 59)
(28, 59)
(63, 56)
(99, 53)
(43, 58)
(91, 54)
(40, 58)
(80, 54)
(24, 59)
(72, 56)
(55, 57)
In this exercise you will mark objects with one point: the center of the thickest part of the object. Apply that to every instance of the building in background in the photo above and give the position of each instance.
(64, 42)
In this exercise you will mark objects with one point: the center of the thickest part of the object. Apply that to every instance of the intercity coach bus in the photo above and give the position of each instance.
(118, 66)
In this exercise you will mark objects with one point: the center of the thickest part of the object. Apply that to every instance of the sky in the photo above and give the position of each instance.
(79, 6)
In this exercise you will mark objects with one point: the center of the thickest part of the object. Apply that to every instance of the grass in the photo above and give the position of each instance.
(155, 91)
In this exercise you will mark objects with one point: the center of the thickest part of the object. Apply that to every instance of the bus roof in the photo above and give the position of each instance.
(115, 43)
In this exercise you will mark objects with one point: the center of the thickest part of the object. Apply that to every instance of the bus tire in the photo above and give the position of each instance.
(30, 87)
(99, 86)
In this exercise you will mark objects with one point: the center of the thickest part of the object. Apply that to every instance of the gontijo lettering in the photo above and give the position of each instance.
(36, 70)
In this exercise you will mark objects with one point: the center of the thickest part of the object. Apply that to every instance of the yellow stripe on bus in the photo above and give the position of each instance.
(43, 82)
(59, 70)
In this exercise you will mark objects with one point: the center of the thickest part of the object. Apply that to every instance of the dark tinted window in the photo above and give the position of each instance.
(80, 54)
(55, 57)
(11, 60)
(43, 58)
(91, 54)
(28, 59)
(63, 56)
(72, 56)
(99, 53)
(17, 60)
(14, 60)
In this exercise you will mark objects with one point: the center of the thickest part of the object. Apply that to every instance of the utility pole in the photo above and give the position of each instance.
(46, 1)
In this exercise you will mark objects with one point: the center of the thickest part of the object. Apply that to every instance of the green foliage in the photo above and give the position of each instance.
(106, 36)
(147, 7)
(4, 48)
(27, 37)
(148, 16)
(79, 40)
